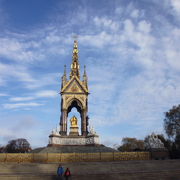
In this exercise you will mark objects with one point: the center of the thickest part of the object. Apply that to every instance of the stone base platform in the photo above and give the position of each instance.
(73, 140)
(73, 149)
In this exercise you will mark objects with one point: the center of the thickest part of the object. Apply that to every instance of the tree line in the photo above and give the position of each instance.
(16, 146)
(171, 141)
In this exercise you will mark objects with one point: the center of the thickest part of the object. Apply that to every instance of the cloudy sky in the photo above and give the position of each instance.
(131, 49)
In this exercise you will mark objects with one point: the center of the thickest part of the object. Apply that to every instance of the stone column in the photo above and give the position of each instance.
(83, 123)
(63, 122)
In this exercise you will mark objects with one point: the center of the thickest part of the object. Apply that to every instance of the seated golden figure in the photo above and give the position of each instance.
(74, 121)
(74, 127)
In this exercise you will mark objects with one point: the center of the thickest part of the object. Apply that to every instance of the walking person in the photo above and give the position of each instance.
(60, 172)
(67, 174)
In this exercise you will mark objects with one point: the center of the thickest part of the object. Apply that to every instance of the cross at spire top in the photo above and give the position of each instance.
(75, 36)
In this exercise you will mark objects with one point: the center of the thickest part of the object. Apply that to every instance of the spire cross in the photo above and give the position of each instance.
(75, 37)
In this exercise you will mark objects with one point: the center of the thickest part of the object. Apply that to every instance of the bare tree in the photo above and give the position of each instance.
(131, 144)
(18, 146)
(2, 149)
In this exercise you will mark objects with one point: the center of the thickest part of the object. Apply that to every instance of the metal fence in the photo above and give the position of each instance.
(72, 157)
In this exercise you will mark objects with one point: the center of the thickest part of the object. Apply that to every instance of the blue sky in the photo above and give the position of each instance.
(131, 49)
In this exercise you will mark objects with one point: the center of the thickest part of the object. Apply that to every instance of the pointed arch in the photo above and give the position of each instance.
(74, 102)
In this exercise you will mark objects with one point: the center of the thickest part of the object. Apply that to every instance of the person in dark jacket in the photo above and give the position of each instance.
(60, 171)
(67, 174)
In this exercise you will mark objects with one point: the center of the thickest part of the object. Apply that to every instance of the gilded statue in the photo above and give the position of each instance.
(73, 121)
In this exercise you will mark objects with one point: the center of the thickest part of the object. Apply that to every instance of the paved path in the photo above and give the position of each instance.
(122, 170)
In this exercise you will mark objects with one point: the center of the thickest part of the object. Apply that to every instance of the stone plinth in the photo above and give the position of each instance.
(74, 131)
(73, 140)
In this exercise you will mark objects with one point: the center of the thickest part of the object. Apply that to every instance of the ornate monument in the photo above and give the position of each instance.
(74, 93)
(153, 142)
(156, 147)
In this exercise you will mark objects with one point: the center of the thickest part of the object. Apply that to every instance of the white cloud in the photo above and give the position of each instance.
(172, 59)
(14, 49)
(128, 26)
(119, 10)
(52, 37)
(141, 103)
(21, 98)
(106, 23)
(152, 91)
(36, 46)
(139, 35)
(3, 94)
(176, 5)
(102, 79)
(144, 26)
(98, 40)
(21, 74)
(18, 72)
(46, 93)
(21, 105)
(135, 13)
(171, 47)
(36, 95)
(136, 43)
(42, 81)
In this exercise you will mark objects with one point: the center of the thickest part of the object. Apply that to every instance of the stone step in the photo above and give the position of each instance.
(165, 175)
(74, 149)
(163, 169)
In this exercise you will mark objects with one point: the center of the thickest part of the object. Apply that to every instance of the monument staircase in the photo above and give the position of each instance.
(74, 149)
(121, 170)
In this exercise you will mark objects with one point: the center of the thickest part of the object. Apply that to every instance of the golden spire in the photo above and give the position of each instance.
(75, 64)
